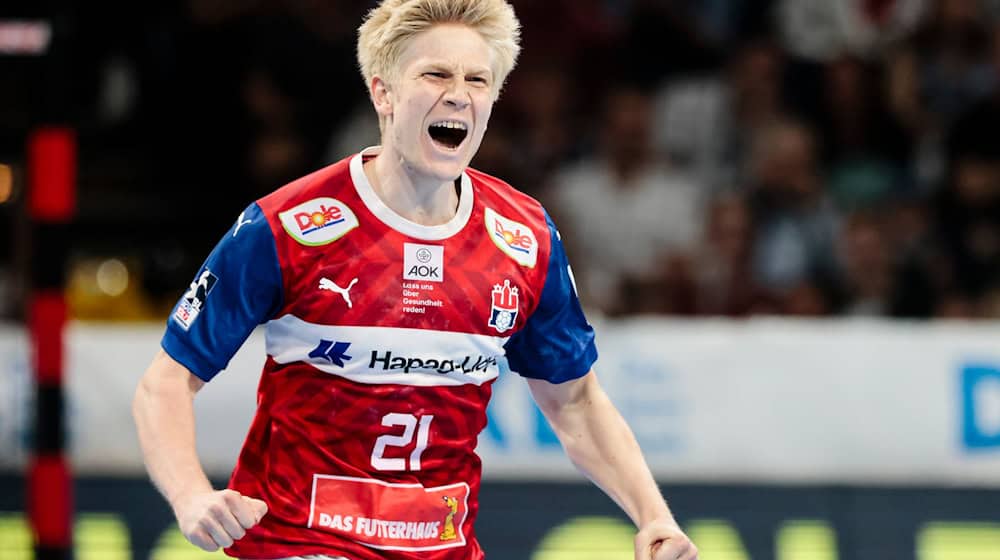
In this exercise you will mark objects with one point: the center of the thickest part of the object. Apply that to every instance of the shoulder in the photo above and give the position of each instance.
(498, 195)
(514, 221)
(328, 181)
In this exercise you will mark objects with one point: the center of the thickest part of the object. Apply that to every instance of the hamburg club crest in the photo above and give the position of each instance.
(504, 310)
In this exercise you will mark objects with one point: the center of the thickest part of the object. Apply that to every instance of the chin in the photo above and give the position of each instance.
(446, 172)
(447, 168)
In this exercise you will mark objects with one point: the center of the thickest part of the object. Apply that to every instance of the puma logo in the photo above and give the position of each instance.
(240, 222)
(327, 284)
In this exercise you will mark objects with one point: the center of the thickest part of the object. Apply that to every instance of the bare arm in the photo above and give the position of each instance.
(600, 444)
(163, 409)
(164, 417)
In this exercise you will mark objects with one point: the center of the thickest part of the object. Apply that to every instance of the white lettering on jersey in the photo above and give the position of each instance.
(380, 355)
(423, 262)
(513, 238)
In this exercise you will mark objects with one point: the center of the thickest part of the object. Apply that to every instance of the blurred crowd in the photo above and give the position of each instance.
(701, 157)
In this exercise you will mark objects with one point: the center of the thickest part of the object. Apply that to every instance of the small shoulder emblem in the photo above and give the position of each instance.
(513, 238)
(318, 221)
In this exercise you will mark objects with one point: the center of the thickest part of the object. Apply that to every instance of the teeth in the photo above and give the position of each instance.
(450, 124)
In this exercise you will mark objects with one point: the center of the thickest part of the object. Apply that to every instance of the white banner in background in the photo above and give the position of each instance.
(856, 402)
(16, 393)
(791, 401)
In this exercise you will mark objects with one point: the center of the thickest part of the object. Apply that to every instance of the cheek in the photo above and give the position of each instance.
(417, 105)
(484, 112)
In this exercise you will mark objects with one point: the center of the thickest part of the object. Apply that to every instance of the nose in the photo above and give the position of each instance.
(457, 95)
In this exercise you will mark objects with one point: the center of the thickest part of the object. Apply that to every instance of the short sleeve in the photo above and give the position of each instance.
(556, 343)
(238, 288)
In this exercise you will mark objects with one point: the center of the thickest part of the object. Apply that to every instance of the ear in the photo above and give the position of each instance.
(381, 98)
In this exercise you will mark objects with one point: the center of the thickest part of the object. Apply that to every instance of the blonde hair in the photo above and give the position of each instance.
(389, 28)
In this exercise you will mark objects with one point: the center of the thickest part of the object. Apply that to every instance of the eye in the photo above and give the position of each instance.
(478, 80)
(439, 75)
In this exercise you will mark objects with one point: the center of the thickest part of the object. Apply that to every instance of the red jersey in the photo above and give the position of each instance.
(383, 340)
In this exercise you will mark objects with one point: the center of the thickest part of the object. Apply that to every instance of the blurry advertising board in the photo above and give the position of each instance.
(769, 401)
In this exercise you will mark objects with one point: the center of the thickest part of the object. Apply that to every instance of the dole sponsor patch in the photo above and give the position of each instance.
(318, 221)
(513, 238)
(423, 262)
(503, 312)
(390, 516)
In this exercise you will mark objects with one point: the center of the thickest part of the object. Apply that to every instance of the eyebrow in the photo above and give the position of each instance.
(450, 68)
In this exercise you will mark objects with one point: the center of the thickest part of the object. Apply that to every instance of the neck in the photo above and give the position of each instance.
(428, 202)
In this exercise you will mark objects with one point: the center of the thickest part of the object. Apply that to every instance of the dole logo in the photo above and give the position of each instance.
(513, 238)
(324, 217)
(318, 221)
(503, 312)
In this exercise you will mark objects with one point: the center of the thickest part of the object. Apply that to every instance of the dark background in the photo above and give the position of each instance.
(858, 177)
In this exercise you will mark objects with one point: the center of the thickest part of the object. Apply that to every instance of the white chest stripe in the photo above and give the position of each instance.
(379, 355)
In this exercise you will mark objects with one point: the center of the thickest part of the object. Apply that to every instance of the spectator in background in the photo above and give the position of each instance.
(544, 126)
(723, 265)
(920, 269)
(578, 37)
(821, 30)
(865, 265)
(796, 221)
(705, 124)
(969, 205)
(687, 37)
(974, 131)
(902, 95)
(865, 151)
(969, 221)
(952, 48)
(936, 75)
(628, 212)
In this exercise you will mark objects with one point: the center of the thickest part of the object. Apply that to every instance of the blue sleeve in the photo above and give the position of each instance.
(557, 343)
(238, 288)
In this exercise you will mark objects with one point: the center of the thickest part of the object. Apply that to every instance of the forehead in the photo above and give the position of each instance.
(452, 45)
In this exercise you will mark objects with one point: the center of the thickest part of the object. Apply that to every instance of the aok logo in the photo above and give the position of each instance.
(424, 272)
(423, 262)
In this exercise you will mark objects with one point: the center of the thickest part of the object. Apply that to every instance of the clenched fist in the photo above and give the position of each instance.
(213, 520)
(663, 540)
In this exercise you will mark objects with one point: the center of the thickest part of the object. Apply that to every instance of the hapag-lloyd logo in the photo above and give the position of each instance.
(468, 365)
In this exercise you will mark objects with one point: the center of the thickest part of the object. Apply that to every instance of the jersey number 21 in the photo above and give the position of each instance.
(411, 425)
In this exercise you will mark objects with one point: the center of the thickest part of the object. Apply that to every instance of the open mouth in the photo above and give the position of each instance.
(449, 134)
